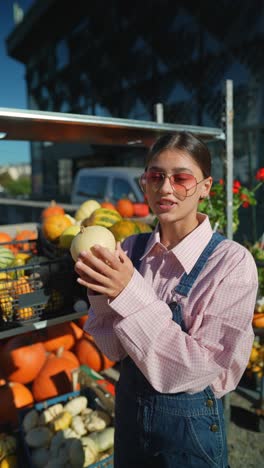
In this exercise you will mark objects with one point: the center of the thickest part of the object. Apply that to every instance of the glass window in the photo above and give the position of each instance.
(122, 189)
(93, 187)
(62, 53)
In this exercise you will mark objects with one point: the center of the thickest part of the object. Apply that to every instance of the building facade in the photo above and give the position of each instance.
(120, 58)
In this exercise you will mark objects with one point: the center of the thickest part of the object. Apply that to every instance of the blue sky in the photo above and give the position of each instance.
(12, 83)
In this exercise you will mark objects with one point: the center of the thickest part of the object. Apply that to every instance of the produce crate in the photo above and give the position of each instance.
(41, 288)
(92, 402)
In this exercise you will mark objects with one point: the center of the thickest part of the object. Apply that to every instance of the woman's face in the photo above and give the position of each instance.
(178, 203)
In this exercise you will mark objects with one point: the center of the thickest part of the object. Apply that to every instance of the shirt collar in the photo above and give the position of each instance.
(190, 248)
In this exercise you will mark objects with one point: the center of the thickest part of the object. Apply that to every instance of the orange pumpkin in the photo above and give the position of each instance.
(258, 320)
(22, 358)
(82, 320)
(125, 207)
(108, 205)
(141, 209)
(77, 330)
(54, 225)
(58, 336)
(4, 238)
(89, 354)
(55, 378)
(13, 396)
(52, 209)
(26, 235)
(62, 353)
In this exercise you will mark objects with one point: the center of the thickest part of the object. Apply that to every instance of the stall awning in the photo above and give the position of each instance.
(31, 125)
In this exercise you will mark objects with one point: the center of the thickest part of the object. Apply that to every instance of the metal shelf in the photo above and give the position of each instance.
(35, 326)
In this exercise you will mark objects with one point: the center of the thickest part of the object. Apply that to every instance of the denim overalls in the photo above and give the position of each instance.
(163, 430)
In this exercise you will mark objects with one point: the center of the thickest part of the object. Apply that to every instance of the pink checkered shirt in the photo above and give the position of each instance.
(217, 314)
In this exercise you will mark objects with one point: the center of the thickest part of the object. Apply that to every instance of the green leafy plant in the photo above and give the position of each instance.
(215, 205)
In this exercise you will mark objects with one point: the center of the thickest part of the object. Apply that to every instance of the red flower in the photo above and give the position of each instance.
(260, 174)
(235, 189)
(244, 197)
(221, 181)
(212, 193)
(236, 185)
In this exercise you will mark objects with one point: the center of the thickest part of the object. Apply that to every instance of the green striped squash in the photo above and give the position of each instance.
(6, 257)
(102, 217)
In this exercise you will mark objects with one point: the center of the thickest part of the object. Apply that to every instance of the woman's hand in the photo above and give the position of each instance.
(104, 272)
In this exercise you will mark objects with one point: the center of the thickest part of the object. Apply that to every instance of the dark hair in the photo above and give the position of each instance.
(183, 141)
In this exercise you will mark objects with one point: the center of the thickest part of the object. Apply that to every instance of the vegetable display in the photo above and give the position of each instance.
(68, 434)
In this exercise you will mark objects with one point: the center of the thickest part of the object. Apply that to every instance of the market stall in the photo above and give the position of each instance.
(35, 309)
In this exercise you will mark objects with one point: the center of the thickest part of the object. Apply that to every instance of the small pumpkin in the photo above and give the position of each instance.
(82, 320)
(123, 229)
(143, 227)
(55, 378)
(77, 330)
(52, 209)
(65, 354)
(54, 225)
(22, 358)
(26, 235)
(140, 209)
(89, 354)
(6, 239)
(13, 397)
(102, 217)
(258, 320)
(125, 207)
(58, 336)
(108, 205)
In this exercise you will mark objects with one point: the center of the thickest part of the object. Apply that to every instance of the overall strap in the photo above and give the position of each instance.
(138, 248)
(188, 280)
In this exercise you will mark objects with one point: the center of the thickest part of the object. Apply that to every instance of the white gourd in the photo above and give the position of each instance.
(90, 450)
(48, 414)
(76, 405)
(77, 425)
(97, 421)
(104, 440)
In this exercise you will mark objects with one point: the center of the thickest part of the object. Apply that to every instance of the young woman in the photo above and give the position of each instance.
(180, 323)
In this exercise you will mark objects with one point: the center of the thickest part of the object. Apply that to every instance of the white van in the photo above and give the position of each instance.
(107, 184)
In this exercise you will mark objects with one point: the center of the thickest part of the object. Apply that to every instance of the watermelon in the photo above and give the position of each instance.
(6, 257)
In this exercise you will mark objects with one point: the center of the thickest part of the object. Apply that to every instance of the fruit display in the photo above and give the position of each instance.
(68, 431)
(256, 360)
(36, 366)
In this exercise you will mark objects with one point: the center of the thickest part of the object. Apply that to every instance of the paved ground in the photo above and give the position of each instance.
(245, 441)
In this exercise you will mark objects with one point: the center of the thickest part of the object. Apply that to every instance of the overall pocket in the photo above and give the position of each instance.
(182, 425)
